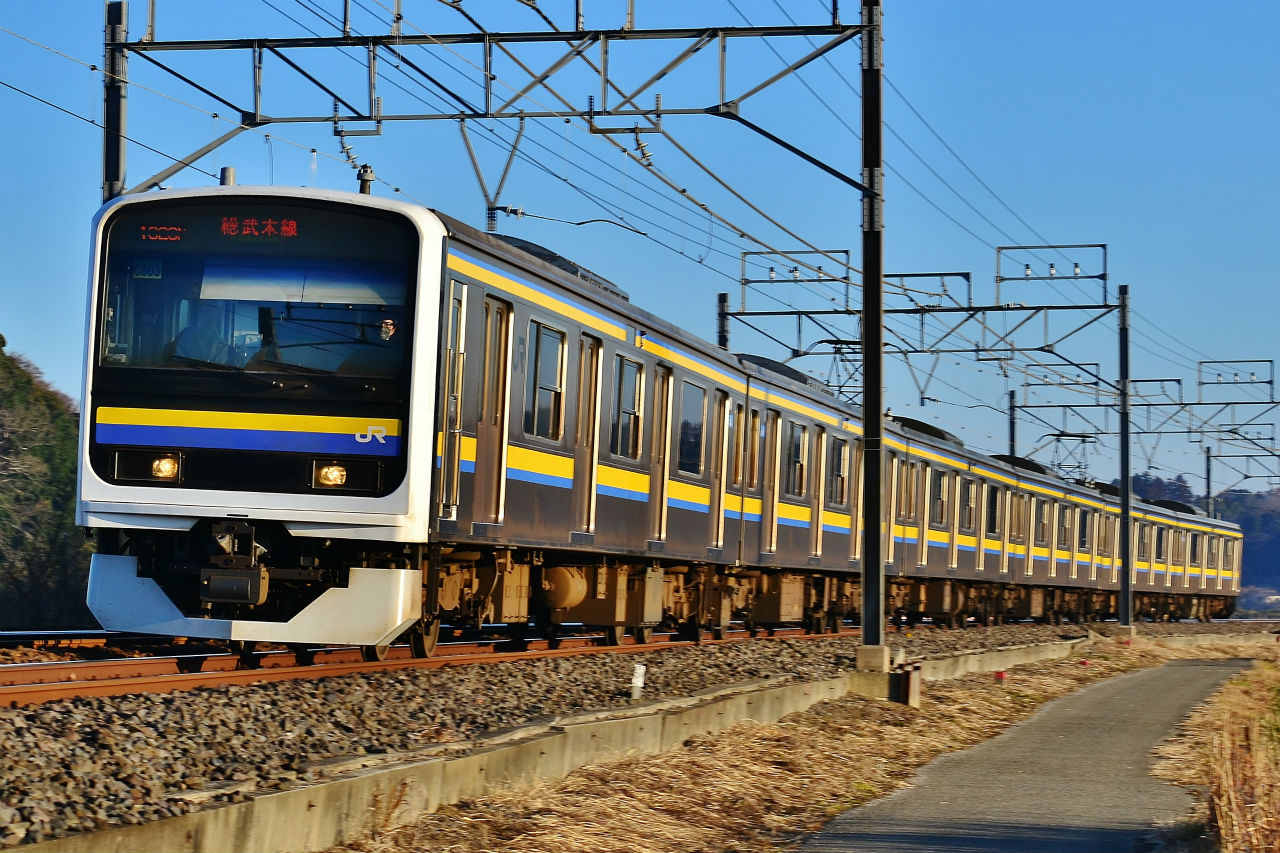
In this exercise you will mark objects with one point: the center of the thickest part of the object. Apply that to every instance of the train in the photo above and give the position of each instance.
(318, 417)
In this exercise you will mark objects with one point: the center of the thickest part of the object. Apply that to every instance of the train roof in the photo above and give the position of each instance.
(519, 251)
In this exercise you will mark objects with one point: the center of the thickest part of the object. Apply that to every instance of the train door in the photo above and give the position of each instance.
(586, 450)
(453, 362)
(491, 428)
(720, 418)
(769, 494)
(660, 440)
(855, 504)
(817, 489)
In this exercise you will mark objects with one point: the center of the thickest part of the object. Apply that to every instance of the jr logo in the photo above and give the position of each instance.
(380, 433)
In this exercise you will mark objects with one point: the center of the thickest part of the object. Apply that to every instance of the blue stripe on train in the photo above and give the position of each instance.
(245, 439)
(539, 478)
(625, 494)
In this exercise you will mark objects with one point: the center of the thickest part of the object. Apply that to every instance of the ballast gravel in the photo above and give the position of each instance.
(86, 764)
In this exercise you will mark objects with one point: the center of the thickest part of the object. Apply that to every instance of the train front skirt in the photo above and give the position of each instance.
(375, 608)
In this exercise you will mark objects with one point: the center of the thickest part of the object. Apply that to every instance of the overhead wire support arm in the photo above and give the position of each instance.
(578, 43)
(491, 201)
(730, 111)
(531, 37)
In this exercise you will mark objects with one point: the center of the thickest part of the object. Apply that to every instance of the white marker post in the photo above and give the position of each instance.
(637, 682)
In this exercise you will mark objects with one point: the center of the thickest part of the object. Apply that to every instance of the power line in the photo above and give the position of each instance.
(96, 124)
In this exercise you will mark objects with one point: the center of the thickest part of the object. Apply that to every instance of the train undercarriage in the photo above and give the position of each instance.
(542, 591)
(238, 571)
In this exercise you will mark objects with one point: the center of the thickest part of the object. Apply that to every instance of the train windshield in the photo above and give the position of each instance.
(258, 287)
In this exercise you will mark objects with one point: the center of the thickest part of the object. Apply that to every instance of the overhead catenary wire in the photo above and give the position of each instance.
(98, 124)
(598, 201)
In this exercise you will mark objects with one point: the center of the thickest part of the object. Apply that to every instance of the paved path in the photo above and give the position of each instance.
(1074, 777)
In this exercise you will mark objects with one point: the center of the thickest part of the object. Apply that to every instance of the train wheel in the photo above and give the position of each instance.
(423, 637)
(718, 632)
(614, 635)
(246, 657)
(303, 655)
(692, 631)
(372, 654)
(643, 634)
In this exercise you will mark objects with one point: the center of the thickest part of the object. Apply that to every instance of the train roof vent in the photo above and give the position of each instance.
(1025, 464)
(927, 429)
(583, 274)
(776, 367)
(1177, 506)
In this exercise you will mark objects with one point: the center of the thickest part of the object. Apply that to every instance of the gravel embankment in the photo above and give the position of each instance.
(90, 763)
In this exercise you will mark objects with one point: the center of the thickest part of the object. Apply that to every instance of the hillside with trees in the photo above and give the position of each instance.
(44, 557)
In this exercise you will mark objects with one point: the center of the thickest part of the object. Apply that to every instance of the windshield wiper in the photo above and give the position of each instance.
(219, 367)
(318, 371)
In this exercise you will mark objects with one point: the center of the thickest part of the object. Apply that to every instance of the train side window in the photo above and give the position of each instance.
(1228, 559)
(1211, 552)
(624, 432)
(1179, 547)
(968, 504)
(838, 473)
(1084, 522)
(754, 432)
(902, 494)
(940, 494)
(1064, 526)
(1017, 517)
(588, 373)
(693, 414)
(797, 456)
(915, 490)
(1195, 548)
(1144, 541)
(544, 399)
(1042, 521)
(995, 505)
(1161, 551)
(1106, 532)
(493, 395)
(735, 444)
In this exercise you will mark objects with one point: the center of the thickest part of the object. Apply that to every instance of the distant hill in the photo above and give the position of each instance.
(44, 557)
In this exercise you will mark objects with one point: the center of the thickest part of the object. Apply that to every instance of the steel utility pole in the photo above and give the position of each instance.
(1126, 476)
(114, 92)
(873, 654)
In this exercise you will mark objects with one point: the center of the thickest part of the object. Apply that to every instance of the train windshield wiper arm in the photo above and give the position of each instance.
(303, 370)
(219, 367)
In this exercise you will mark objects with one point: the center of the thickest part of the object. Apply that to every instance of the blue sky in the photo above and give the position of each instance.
(1138, 125)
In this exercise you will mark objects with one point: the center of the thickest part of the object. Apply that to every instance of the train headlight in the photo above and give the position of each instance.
(331, 475)
(165, 468)
(149, 466)
(353, 476)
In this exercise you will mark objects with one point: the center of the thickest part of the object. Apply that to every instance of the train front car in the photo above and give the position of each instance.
(258, 414)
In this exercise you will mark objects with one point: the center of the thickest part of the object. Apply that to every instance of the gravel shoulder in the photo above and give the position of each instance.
(768, 787)
(80, 765)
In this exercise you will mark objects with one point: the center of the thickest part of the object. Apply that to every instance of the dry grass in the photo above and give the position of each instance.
(1229, 752)
(760, 787)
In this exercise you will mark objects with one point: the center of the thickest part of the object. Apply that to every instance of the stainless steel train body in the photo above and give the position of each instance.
(320, 417)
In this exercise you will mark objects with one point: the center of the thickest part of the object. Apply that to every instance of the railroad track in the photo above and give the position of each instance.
(47, 681)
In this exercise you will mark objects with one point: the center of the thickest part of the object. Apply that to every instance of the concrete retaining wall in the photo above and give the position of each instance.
(379, 798)
(954, 667)
(1187, 641)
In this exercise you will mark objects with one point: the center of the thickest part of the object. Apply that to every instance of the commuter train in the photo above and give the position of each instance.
(315, 417)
